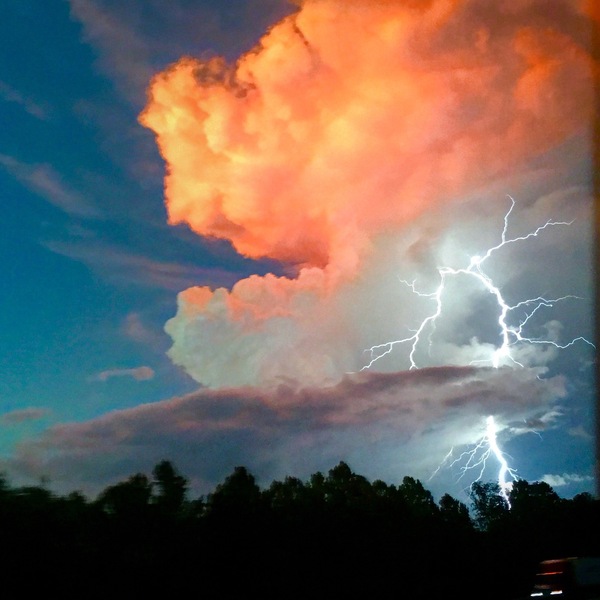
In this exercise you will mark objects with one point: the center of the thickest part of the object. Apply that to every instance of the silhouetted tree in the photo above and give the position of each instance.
(418, 499)
(345, 490)
(455, 513)
(4, 486)
(338, 534)
(172, 488)
(489, 505)
(289, 498)
(238, 496)
(579, 525)
(316, 484)
(127, 499)
(528, 499)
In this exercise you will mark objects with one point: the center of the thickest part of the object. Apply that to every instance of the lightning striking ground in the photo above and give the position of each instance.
(478, 456)
(510, 335)
(482, 452)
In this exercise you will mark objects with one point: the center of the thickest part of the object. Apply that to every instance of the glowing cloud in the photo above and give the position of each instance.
(509, 335)
(346, 123)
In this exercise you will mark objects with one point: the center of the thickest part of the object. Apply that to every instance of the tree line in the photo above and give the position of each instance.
(333, 535)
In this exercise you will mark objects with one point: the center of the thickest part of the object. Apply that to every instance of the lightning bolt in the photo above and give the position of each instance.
(478, 457)
(510, 335)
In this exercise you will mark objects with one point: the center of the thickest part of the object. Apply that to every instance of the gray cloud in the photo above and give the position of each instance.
(557, 481)
(119, 264)
(24, 415)
(386, 424)
(123, 52)
(9, 94)
(133, 41)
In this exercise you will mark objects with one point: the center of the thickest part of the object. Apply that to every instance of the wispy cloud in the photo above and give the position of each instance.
(124, 267)
(565, 479)
(123, 52)
(23, 415)
(9, 94)
(134, 40)
(581, 432)
(44, 180)
(137, 373)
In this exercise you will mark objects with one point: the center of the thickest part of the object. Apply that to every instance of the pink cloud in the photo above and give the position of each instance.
(137, 373)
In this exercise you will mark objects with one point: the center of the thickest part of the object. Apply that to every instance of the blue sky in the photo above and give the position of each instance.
(86, 249)
(93, 387)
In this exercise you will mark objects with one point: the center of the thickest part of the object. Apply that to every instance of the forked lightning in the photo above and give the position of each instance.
(509, 336)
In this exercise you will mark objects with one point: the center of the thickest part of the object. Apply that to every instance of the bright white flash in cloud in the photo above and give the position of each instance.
(510, 336)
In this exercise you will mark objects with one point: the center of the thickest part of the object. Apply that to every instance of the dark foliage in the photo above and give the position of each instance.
(334, 535)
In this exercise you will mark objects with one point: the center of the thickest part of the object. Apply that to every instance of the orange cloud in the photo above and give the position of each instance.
(351, 118)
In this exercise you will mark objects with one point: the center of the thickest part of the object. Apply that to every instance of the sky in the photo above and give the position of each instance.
(283, 235)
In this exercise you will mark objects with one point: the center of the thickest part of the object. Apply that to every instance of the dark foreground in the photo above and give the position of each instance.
(333, 536)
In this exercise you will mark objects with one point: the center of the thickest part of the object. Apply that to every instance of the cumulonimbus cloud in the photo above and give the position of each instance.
(348, 121)
(349, 145)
